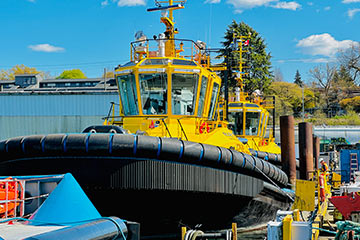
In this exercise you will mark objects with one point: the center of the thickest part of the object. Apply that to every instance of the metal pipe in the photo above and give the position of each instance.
(316, 152)
(287, 136)
(102, 229)
(306, 150)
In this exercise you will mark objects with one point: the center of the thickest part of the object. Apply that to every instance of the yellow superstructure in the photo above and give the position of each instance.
(169, 89)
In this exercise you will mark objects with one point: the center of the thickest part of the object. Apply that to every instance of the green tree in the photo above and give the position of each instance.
(288, 97)
(351, 104)
(72, 74)
(298, 80)
(257, 60)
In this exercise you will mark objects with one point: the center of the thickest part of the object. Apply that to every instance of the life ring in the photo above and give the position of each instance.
(204, 127)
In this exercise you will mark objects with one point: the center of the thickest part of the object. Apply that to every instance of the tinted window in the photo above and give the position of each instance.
(128, 94)
(183, 94)
(153, 90)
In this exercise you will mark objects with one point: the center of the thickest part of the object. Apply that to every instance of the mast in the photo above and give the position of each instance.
(169, 22)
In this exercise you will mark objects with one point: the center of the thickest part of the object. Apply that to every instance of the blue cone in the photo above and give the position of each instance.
(66, 204)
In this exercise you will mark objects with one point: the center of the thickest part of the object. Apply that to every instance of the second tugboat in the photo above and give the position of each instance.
(168, 157)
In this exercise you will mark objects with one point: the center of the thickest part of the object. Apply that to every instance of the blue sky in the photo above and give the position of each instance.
(55, 35)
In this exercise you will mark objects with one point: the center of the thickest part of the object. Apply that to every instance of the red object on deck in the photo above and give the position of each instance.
(347, 204)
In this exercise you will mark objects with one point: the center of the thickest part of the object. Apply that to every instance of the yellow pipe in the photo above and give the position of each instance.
(234, 231)
(183, 232)
(287, 221)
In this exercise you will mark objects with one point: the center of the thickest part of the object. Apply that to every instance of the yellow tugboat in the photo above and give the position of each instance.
(170, 89)
(167, 155)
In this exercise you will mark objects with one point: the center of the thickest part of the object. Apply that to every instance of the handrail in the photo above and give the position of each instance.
(182, 129)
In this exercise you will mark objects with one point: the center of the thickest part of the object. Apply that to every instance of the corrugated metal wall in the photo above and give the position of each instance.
(45, 113)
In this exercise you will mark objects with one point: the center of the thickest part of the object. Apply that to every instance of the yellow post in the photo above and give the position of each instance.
(287, 221)
(234, 231)
(183, 232)
(296, 215)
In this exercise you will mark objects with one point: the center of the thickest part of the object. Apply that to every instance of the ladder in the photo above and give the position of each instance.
(354, 165)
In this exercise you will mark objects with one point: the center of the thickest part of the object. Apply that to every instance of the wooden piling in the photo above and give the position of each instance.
(316, 151)
(287, 138)
(306, 150)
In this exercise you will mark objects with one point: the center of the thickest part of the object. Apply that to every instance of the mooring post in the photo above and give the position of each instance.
(287, 138)
(306, 150)
(316, 152)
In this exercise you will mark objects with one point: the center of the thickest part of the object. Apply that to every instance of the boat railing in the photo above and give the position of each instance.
(182, 48)
(17, 194)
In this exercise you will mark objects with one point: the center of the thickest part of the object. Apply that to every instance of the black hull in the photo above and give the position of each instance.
(160, 194)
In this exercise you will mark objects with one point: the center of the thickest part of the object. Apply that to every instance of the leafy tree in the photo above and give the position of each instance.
(18, 69)
(71, 74)
(288, 97)
(257, 60)
(109, 74)
(351, 103)
(298, 80)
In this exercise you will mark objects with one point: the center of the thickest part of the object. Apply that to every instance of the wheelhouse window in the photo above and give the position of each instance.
(252, 123)
(128, 94)
(236, 122)
(265, 125)
(183, 93)
(214, 95)
(153, 90)
(201, 105)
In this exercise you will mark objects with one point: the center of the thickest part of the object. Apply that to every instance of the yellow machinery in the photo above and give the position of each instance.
(290, 225)
(170, 89)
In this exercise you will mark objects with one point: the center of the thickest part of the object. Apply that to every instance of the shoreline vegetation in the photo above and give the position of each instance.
(351, 118)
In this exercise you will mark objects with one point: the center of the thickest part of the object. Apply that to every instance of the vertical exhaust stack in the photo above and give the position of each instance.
(287, 136)
(306, 150)
(316, 146)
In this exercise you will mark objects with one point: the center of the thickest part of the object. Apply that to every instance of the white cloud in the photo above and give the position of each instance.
(307, 60)
(351, 12)
(46, 48)
(249, 3)
(287, 5)
(123, 3)
(241, 5)
(350, 1)
(212, 1)
(104, 3)
(323, 44)
(327, 8)
(310, 3)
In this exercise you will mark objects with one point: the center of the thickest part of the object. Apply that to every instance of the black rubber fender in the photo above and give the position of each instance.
(148, 147)
(13, 146)
(249, 162)
(212, 155)
(32, 144)
(142, 147)
(259, 165)
(53, 144)
(76, 144)
(238, 159)
(193, 152)
(171, 148)
(226, 156)
(98, 143)
(266, 169)
(123, 145)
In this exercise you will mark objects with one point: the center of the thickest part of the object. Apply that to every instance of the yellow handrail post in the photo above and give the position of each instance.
(287, 221)
(183, 232)
(234, 231)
